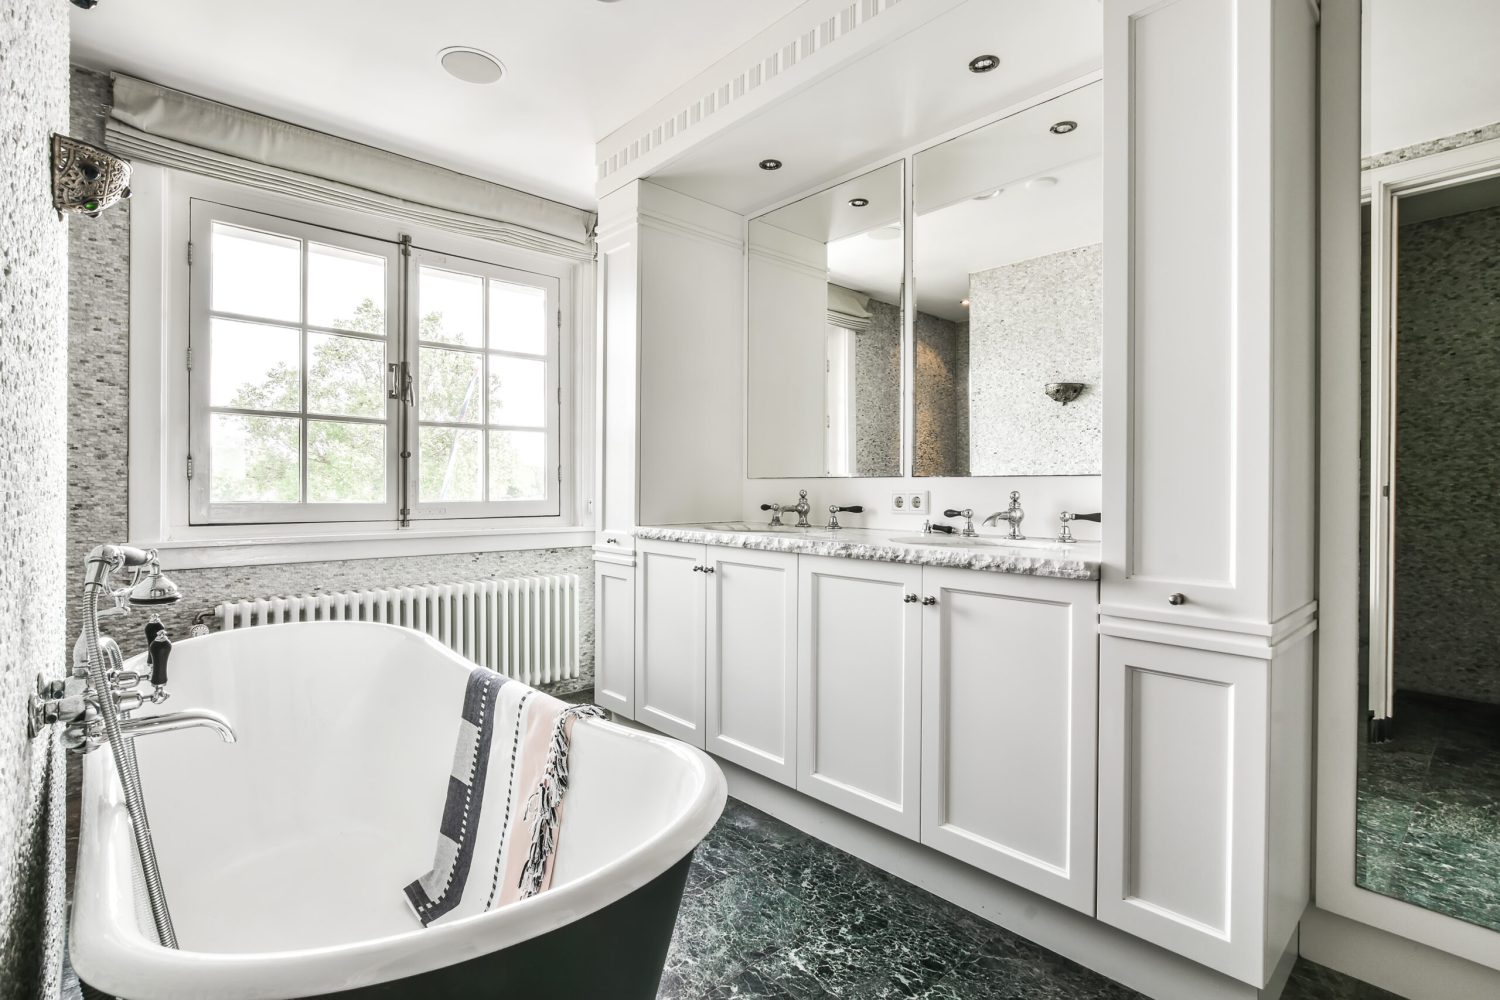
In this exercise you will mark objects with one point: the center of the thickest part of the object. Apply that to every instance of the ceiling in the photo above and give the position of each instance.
(894, 98)
(368, 70)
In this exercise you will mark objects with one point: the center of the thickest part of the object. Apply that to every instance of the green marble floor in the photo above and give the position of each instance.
(773, 914)
(1428, 827)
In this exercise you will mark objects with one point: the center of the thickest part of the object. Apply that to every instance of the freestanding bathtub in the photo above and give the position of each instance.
(283, 855)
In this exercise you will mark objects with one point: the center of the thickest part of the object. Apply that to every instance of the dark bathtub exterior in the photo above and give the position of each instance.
(615, 953)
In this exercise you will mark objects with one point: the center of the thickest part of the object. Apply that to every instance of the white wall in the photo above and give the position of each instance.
(1430, 70)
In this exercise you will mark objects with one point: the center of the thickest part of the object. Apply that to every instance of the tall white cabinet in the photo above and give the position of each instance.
(1207, 604)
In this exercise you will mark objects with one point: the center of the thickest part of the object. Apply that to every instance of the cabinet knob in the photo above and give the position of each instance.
(929, 601)
(911, 598)
(1176, 600)
(708, 569)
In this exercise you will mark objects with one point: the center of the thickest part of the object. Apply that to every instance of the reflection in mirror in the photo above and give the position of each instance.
(1427, 821)
(1428, 828)
(1008, 280)
(824, 332)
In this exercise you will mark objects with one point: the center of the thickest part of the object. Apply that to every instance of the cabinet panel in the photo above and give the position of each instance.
(752, 660)
(614, 638)
(1009, 706)
(859, 684)
(1182, 797)
(669, 639)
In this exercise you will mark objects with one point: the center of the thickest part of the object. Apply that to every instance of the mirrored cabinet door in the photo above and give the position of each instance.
(824, 332)
(1007, 273)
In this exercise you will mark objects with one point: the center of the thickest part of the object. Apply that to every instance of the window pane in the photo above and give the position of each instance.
(452, 471)
(255, 273)
(518, 318)
(255, 459)
(451, 307)
(345, 462)
(254, 367)
(448, 386)
(345, 289)
(518, 391)
(345, 376)
(518, 465)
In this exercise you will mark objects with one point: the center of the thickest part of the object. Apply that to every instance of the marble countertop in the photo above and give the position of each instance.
(989, 553)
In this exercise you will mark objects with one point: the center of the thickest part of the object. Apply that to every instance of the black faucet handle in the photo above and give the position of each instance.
(770, 506)
(836, 509)
(1097, 518)
(953, 512)
(156, 655)
(946, 529)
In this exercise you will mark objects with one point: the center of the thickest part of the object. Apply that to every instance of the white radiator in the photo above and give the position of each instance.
(525, 628)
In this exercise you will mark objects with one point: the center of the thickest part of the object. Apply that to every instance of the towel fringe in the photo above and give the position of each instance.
(543, 805)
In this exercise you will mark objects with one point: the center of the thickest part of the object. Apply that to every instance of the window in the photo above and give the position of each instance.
(338, 377)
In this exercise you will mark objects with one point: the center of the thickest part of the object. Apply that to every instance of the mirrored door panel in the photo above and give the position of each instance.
(1007, 272)
(825, 293)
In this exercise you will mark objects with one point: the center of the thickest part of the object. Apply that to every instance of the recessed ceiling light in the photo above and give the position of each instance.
(858, 202)
(965, 303)
(989, 194)
(887, 233)
(1063, 128)
(983, 64)
(770, 164)
(470, 65)
(1037, 183)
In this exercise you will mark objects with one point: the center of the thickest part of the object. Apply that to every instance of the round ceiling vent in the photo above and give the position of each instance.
(471, 65)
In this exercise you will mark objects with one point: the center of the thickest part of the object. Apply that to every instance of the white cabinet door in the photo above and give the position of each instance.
(1182, 800)
(1209, 322)
(752, 660)
(859, 685)
(669, 637)
(614, 638)
(1009, 702)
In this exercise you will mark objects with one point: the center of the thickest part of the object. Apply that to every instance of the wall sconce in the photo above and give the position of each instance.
(1065, 392)
(86, 179)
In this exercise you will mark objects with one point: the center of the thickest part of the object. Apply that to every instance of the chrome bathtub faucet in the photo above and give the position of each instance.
(1013, 514)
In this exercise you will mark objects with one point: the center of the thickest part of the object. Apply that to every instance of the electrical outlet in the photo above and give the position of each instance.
(911, 503)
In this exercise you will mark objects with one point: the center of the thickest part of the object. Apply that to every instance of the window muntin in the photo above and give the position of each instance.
(296, 355)
(487, 400)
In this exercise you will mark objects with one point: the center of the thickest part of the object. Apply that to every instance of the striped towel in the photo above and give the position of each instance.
(503, 812)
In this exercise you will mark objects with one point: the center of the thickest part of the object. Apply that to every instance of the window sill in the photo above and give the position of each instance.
(214, 553)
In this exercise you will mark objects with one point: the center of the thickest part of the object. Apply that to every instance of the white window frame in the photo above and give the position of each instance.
(159, 412)
(202, 510)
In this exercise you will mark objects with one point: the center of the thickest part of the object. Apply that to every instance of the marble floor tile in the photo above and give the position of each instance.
(819, 924)
(1429, 833)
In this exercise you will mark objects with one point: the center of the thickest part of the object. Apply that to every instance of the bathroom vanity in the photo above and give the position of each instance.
(1104, 746)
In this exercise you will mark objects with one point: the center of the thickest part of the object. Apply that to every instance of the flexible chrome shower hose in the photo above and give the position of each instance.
(123, 749)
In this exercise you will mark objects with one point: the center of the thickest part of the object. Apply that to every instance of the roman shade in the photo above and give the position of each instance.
(177, 129)
(848, 308)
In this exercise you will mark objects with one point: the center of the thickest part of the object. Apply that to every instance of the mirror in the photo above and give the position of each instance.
(824, 332)
(1427, 797)
(1008, 279)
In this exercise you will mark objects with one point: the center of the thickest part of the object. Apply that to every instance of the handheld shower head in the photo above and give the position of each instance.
(152, 589)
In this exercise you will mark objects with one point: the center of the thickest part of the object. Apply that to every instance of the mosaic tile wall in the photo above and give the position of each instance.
(33, 343)
(99, 314)
(1448, 414)
(877, 393)
(941, 375)
(1031, 323)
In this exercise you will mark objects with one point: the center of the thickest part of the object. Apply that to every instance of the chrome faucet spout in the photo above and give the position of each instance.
(170, 721)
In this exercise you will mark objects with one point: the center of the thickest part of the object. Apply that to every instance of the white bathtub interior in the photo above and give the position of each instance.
(302, 834)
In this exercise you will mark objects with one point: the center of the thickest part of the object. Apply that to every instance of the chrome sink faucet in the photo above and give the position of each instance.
(968, 515)
(802, 507)
(1012, 514)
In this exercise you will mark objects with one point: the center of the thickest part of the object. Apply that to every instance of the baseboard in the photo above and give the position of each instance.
(1139, 965)
(1393, 963)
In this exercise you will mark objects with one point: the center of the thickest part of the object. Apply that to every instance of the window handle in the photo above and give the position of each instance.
(398, 382)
